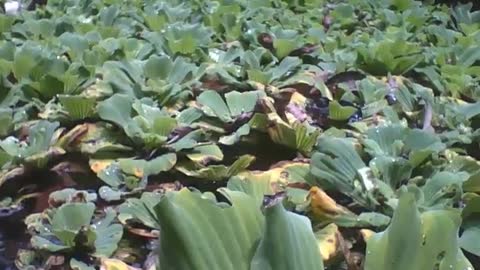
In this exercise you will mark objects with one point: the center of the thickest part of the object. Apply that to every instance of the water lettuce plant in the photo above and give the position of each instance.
(261, 134)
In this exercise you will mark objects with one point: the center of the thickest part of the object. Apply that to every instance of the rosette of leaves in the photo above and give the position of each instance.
(394, 56)
(338, 165)
(272, 74)
(297, 136)
(11, 113)
(69, 195)
(287, 42)
(159, 15)
(453, 118)
(393, 153)
(186, 38)
(123, 77)
(130, 173)
(94, 139)
(141, 120)
(224, 70)
(141, 210)
(398, 141)
(225, 19)
(38, 147)
(171, 80)
(39, 71)
(68, 108)
(294, 132)
(231, 113)
(392, 92)
(73, 229)
(78, 107)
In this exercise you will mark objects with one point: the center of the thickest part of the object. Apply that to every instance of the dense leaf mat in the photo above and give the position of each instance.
(240, 134)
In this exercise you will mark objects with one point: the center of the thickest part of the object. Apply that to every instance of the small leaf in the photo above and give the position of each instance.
(338, 112)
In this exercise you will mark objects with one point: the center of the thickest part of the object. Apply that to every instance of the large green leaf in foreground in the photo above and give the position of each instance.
(199, 233)
(417, 241)
(288, 243)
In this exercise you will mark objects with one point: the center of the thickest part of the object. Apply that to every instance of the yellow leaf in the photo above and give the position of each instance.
(277, 174)
(298, 98)
(114, 264)
(327, 241)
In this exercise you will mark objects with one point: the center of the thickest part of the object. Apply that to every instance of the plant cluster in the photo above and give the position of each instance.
(240, 134)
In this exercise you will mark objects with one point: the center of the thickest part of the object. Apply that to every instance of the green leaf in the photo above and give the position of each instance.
(69, 219)
(283, 47)
(469, 56)
(158, 67)
(39, 242)
(143, 168)
(402, 5)
(214, 105)
(393, 171)
(239, 103)
(141, 210)
(198, 233)
(117, 109)
(215, 172)
(78, 107)
(205, 153)
(24, 61)
(282, 69)
(385, 140)
(6, 121)
(298, 250)
(441, 188)
(298, 136)
(108, 234)
(470, 237)
(257, 187)
(280, 240)
(163, 126)
(235, 136)
(417, 241)
(395, 56)
(469, 110)
(338, 112)
(5, 23)
(76, 43)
